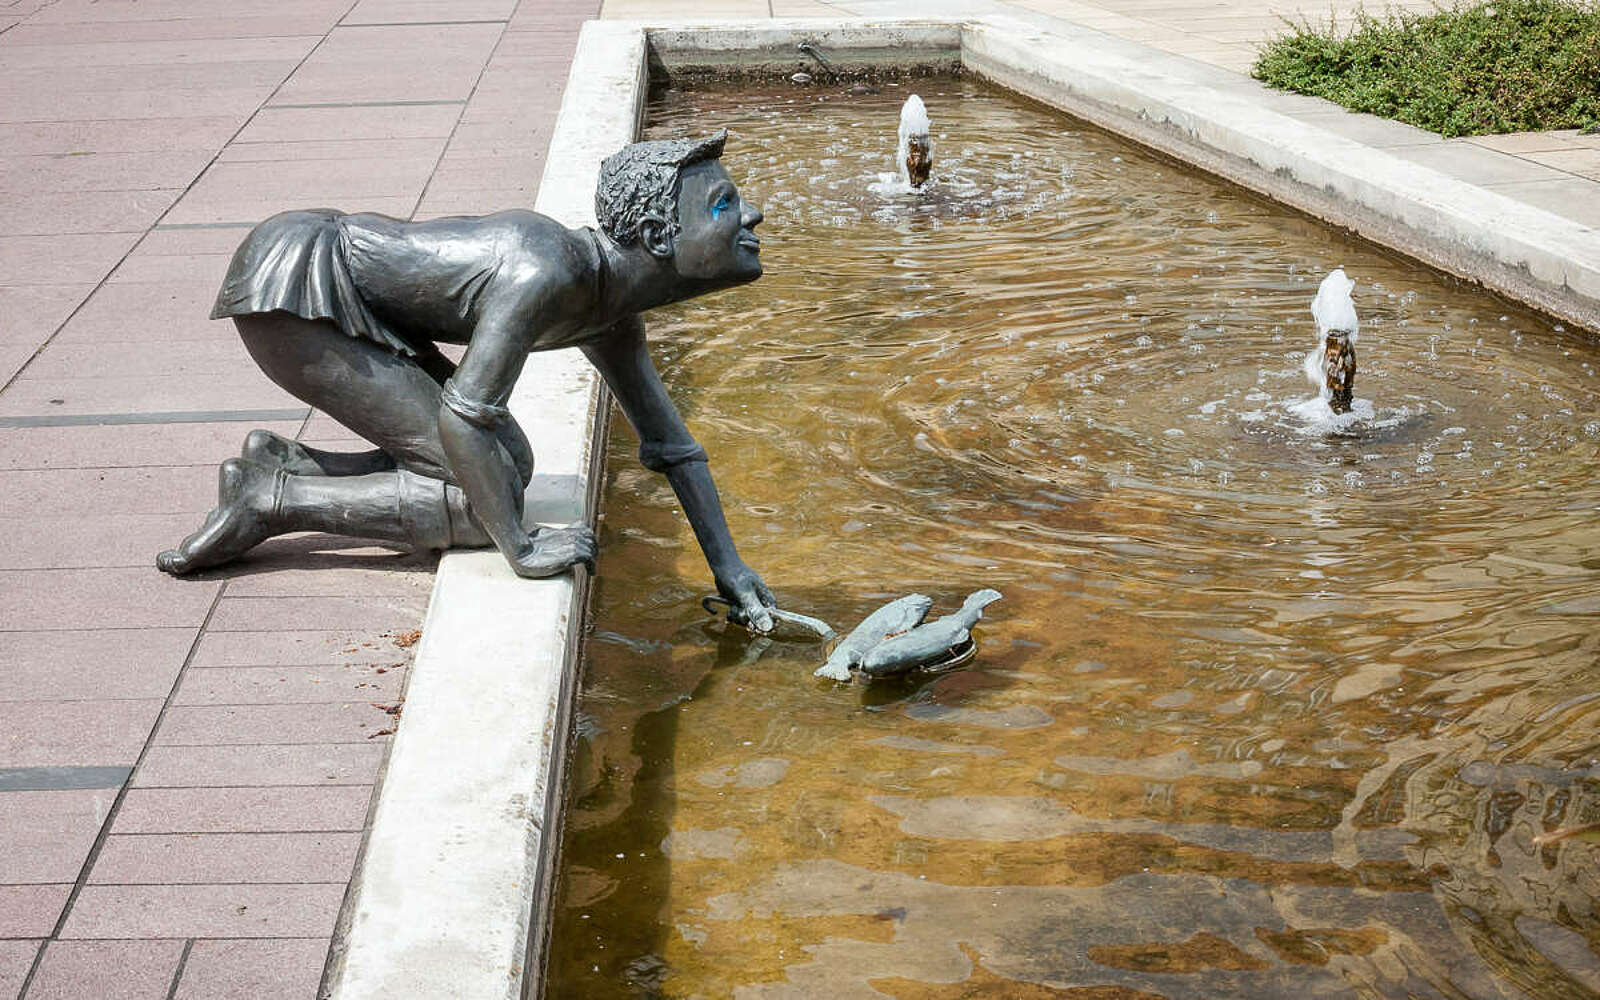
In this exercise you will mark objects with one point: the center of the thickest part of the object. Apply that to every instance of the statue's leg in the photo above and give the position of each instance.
(399, 506)
(256, 502)
(386, 398)
(242, 518)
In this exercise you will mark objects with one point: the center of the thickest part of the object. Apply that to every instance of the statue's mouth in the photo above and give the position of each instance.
(750, 241)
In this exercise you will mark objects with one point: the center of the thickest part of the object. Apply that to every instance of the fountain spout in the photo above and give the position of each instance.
(1332, 366)
(914, 155)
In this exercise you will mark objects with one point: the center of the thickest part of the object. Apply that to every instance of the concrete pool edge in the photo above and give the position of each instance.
(444, 899)
(452, 895)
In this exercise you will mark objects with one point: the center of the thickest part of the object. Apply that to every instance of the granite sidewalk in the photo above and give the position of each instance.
(186, 766)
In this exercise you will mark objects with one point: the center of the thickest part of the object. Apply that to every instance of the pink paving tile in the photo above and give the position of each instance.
(218, 356)
(531, 139)
(45, 836)
(43, 214)
(184, 911)
(352, 721)
(288, 685)
(244, 388)
(402, 11)
(16, 958)
(431, 43)
(179, 240)
(179, 489)
(132, 11)
(87, 77)
(162, 53)
(127, 970)
(29, 314)
(81, 172)
(253, 970)
(144, 267)
(354, 646)
(74, 733)
(314, 764)
(106, 540)
(374, 613)
(60, 260)
(149, 312)
(128, 446)
(243, 810)
(302, 124)
(237, 102)
(221, 858)
(252, 209)
(42, 32)
(489, 171)
(444, 201)
(30, 911)
(13, 357)
(321, 181)
(90, 664)
(331, 149)
(134, 135)
(39, 599)
(435, 79)
(390, 576)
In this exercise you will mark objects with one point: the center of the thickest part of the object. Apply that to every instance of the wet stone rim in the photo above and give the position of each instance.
(452, 893)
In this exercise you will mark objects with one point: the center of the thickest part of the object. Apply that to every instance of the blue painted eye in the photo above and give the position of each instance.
(720, 207)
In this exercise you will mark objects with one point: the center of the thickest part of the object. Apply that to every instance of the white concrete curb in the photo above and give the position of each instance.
(459, 852)
(452, 897)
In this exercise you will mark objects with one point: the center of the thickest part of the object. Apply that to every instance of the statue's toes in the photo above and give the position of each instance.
(172, 561)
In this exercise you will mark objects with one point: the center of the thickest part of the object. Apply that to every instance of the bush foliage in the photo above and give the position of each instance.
(1511, 66)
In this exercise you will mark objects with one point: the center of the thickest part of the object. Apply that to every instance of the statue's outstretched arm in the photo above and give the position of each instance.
(472, 429)
(666, 446)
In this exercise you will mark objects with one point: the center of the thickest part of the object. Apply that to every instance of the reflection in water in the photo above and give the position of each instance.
(1267, 710)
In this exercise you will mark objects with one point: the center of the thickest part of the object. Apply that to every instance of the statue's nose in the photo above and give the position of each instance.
(752, 215)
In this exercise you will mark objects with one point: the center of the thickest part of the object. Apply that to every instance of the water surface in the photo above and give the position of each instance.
(1266, 710)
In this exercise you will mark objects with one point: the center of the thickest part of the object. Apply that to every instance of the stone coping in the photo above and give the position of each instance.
(453, 895)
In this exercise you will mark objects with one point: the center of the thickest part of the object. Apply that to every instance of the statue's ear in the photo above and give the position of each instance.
(655, 235)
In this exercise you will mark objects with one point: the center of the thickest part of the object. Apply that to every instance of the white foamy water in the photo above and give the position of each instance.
(914, 123)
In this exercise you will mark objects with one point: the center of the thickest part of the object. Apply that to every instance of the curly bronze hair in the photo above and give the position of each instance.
(640, 181)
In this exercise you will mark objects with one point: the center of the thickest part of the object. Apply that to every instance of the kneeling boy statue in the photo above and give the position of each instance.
(346, 312)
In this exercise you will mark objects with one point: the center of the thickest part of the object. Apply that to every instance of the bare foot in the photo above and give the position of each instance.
(266, 448)
(263, 447)
(240, 521)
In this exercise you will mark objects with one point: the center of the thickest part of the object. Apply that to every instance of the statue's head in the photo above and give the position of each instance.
(673, 198)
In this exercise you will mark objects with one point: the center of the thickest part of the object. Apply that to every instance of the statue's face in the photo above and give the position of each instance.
(715, 243)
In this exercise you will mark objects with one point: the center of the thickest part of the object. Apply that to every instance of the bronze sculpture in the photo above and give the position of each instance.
(346, 312)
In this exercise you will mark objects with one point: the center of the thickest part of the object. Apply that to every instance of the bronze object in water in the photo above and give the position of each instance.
(1339, 370)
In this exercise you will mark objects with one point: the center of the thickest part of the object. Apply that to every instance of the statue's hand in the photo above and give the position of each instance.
(745, 590)
(549, 551)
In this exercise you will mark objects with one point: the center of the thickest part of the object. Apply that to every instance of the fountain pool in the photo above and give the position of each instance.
(1268, 708)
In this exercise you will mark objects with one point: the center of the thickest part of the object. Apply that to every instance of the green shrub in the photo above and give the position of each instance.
(1506, 66)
